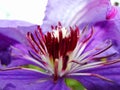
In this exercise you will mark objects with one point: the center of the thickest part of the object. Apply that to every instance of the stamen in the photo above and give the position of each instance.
(89, 37)
(106, 48)
(112, 62)
(36, 57)
(84, 29)
(31, 42)
(23, 68)
(41, 43)
(94, 65)
(13, 68)
(78, 62)
(41, 34)
(92, 74)
(107, 56)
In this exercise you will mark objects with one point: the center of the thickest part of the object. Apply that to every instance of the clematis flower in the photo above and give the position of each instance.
(89, 55)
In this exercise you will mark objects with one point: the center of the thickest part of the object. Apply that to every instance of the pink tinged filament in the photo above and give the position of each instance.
(111, 13)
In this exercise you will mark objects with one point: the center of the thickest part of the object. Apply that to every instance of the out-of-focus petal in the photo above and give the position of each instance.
(14, 23)
(76, 12)
(28, 80)
(94, 83)
(113, 13)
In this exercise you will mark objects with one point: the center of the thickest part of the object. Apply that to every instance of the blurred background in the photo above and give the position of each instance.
(27, 10)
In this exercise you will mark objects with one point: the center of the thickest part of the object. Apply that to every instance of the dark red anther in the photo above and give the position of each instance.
(59, 24)
(52, 27)
(65, 62)
(41, 33)
(62, 47)
(56, 27)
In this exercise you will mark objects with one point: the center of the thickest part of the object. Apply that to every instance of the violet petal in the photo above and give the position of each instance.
(29, 80)
(94, 83)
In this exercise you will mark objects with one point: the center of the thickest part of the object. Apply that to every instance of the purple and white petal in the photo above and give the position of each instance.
(76, 12)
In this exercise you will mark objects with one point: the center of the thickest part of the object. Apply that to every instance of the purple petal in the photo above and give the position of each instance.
(5, 51)
(12, 57)
(9, 86)
(17, 53)
(109, 30)
(13, 33)
(94, 83)
(5, 56)
(49, 85)
(19, 78)
(76, 12)
(14, 23)
(17, 29)
(25, 29)
(29, 80)
(5, 41)
(10, 36)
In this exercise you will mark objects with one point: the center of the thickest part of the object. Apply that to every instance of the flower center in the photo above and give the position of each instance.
(55, 46)
(64, 52)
